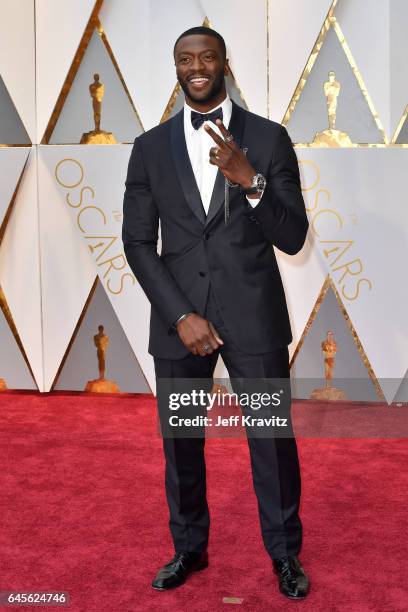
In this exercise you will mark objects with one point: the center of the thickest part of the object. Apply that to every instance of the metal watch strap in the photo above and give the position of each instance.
(254, 188)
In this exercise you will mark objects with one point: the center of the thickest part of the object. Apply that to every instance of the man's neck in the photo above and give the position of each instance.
(207, 106)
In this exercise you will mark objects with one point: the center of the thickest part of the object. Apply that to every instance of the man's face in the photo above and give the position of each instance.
(200, 67)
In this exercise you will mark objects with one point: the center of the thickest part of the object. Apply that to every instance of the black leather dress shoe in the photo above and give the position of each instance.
(174, 573)
(293, 581)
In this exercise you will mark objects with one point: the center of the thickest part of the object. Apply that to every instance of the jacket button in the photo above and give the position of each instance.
(201, 273)
(206, 236)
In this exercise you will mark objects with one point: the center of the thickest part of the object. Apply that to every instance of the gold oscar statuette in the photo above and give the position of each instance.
(101, 385)
(332, 137)
(97, 136)
(329, 349)
(3, 385)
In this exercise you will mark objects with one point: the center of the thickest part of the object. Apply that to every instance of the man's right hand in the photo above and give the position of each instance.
(195, 332)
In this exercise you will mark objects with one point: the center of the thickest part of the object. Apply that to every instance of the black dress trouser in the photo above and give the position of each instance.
(274, 460)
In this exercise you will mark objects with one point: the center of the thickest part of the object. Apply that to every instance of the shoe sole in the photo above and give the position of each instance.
(199, 568)
(294, 598)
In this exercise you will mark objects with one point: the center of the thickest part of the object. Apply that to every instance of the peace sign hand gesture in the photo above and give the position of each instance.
(229, 158)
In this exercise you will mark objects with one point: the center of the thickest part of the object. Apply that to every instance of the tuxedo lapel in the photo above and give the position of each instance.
(236, 128)
(183, 167)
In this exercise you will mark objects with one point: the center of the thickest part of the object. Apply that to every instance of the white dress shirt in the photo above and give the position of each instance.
(199, 143)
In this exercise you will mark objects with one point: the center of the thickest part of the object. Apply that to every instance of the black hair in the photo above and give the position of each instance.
(207, 32)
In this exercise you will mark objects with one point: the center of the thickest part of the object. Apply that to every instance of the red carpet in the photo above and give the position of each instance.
(83, 511)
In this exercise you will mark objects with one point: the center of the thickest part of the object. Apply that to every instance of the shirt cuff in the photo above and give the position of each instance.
(254, 201)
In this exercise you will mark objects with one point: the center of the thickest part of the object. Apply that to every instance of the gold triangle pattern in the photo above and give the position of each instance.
(24, 144)
(328, 283)
(4, 223)
(3, 302)
(170, 104)
(399, 128)
(331, 22)
(75, 333)
(108, 48)
(93, 23)
(9, 318)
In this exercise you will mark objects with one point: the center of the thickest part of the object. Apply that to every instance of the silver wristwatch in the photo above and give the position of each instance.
(258, 185)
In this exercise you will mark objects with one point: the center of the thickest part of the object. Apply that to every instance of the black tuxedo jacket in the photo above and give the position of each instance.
(238, 259)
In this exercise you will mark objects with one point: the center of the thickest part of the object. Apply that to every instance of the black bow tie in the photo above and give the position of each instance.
(197, 119)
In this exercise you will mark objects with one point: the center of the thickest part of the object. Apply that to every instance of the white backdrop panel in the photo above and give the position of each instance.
(380, 48)
(398, 60)
(130, 42)
(59, 29)
(365, 25)
(144, 49)
(67, 274)
(359, 216)
(17, 58)
(246, 48)
(12, 161)
(20, 270)
(89, 182)
(301, 296)
(293, 29)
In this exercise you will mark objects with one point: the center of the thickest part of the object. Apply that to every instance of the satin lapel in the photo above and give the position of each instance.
(183, 167)
(236, 127)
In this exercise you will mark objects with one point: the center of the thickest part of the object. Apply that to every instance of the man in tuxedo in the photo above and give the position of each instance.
(216, 288)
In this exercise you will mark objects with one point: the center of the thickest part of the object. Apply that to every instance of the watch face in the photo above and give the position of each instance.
(260, 182)
(258, 185)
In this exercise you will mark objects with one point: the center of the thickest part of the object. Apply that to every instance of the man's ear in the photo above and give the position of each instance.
(226, 67)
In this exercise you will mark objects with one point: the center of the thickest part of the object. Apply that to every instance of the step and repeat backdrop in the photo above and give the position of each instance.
(80, 79)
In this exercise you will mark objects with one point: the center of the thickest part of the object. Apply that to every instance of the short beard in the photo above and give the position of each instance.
(216, 88)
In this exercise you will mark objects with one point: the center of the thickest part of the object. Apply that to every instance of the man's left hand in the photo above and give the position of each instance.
(229, 158)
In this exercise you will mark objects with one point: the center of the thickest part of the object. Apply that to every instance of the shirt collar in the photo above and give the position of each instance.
(226, 106)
